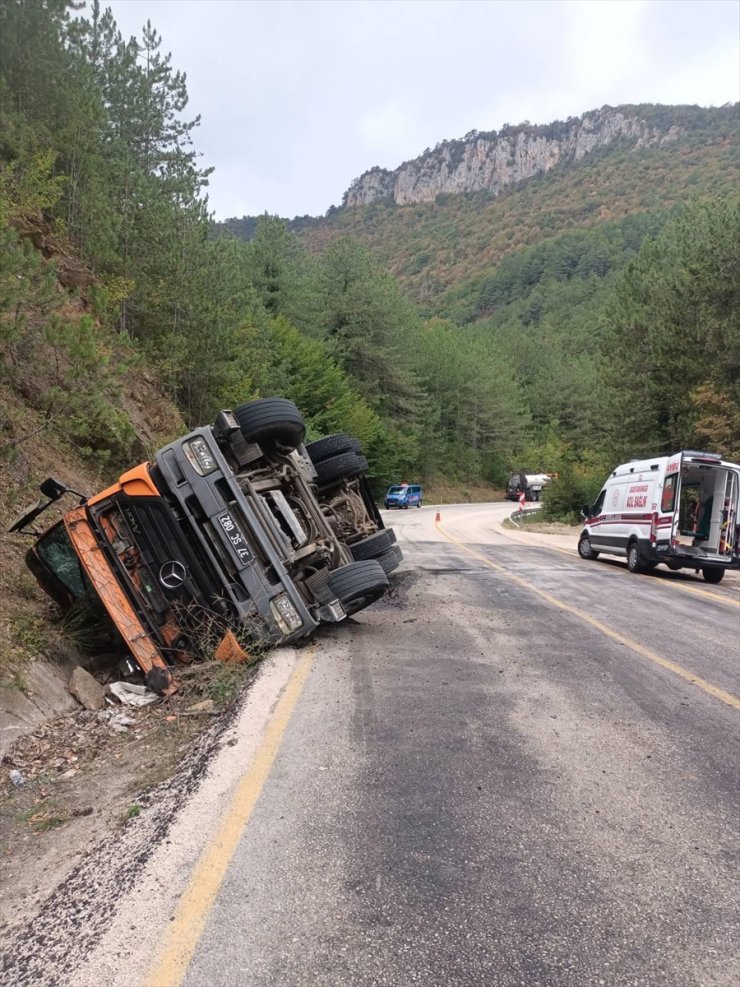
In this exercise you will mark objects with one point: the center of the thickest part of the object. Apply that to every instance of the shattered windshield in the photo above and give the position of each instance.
(56, 552)
(86, 619)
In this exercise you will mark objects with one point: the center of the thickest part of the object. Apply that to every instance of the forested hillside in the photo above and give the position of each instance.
(538, 285)
(458, 339)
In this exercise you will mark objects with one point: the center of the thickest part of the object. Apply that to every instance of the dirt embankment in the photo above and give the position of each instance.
(78, 778)
(42, 389)
(37, 648)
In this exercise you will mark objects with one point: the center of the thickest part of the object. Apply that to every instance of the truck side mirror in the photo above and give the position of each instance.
(53, 489)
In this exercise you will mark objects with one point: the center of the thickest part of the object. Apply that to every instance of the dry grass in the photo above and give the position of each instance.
(443, 492)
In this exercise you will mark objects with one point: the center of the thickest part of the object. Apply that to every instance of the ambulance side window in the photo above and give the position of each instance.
(596, 509)
(668, 500)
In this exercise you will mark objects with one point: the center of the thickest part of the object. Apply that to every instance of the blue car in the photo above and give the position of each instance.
(404, 495)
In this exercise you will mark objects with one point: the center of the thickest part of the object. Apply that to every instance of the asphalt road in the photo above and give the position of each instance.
(519, 769)
(480, 787)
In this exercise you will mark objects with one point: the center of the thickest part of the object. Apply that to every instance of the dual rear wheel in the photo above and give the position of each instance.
(358, 584)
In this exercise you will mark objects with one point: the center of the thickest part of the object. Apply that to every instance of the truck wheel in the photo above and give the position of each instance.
(347, 465)
(358, 584)
(374, 545)
(713, 575)
(584, 548)
(391, 559)
(271, 420)
(634, 562)
(332, 445)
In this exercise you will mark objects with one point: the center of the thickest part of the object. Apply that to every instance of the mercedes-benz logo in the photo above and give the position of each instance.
(172, 574)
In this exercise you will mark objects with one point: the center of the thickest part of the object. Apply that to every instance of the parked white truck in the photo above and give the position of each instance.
(682, 510)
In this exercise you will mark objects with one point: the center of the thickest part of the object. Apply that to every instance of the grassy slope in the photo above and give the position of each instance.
(33, 448)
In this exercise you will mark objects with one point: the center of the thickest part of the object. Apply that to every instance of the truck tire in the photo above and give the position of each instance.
(391, 559)
(634, 559)
(358, 584)
(373, 546)
(271, 420)
(345, 466)
(712, 574)
(332, 445)
(584, 548)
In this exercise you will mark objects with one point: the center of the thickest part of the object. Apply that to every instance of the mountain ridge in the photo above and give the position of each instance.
(492, 162)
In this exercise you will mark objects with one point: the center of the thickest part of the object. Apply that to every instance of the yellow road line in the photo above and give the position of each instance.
(671, 666)
(196, 903)
(694, 590)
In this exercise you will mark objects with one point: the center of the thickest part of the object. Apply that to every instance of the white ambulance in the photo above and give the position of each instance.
(682, 510)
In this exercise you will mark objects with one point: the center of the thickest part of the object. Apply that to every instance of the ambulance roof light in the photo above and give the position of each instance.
(702, 457)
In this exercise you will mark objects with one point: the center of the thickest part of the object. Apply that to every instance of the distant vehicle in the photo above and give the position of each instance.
(529, 483)
(404, 495)
(682, 510)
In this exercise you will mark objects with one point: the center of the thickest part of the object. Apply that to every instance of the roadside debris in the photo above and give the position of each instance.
(63, 748)
(132, 695)
(86, 689)
(204, 706)
(120, 723)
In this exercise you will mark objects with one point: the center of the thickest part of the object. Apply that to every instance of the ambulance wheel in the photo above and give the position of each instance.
(585, 550)
(634, 562)
(713, 575)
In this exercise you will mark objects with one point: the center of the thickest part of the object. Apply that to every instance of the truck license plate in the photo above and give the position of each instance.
(238, 545)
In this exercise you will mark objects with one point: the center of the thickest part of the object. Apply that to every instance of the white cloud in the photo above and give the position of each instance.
(385, 128)
(606, 43)
(298, 97)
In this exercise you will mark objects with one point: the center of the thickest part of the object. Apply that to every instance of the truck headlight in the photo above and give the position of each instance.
(287, 617)
(200, 456)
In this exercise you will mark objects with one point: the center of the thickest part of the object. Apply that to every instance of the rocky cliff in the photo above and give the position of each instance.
(496, 161)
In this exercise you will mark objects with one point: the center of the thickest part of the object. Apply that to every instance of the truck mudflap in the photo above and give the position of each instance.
(143, 649)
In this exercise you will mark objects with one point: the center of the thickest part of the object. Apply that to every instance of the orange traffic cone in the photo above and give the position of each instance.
(438, 516)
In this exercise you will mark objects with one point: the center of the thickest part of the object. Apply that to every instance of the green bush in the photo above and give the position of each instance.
(575, 485)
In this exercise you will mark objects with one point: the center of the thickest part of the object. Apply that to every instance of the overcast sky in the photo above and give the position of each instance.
(299, 98)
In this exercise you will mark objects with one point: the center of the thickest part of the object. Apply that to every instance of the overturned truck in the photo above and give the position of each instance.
(236, 533)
